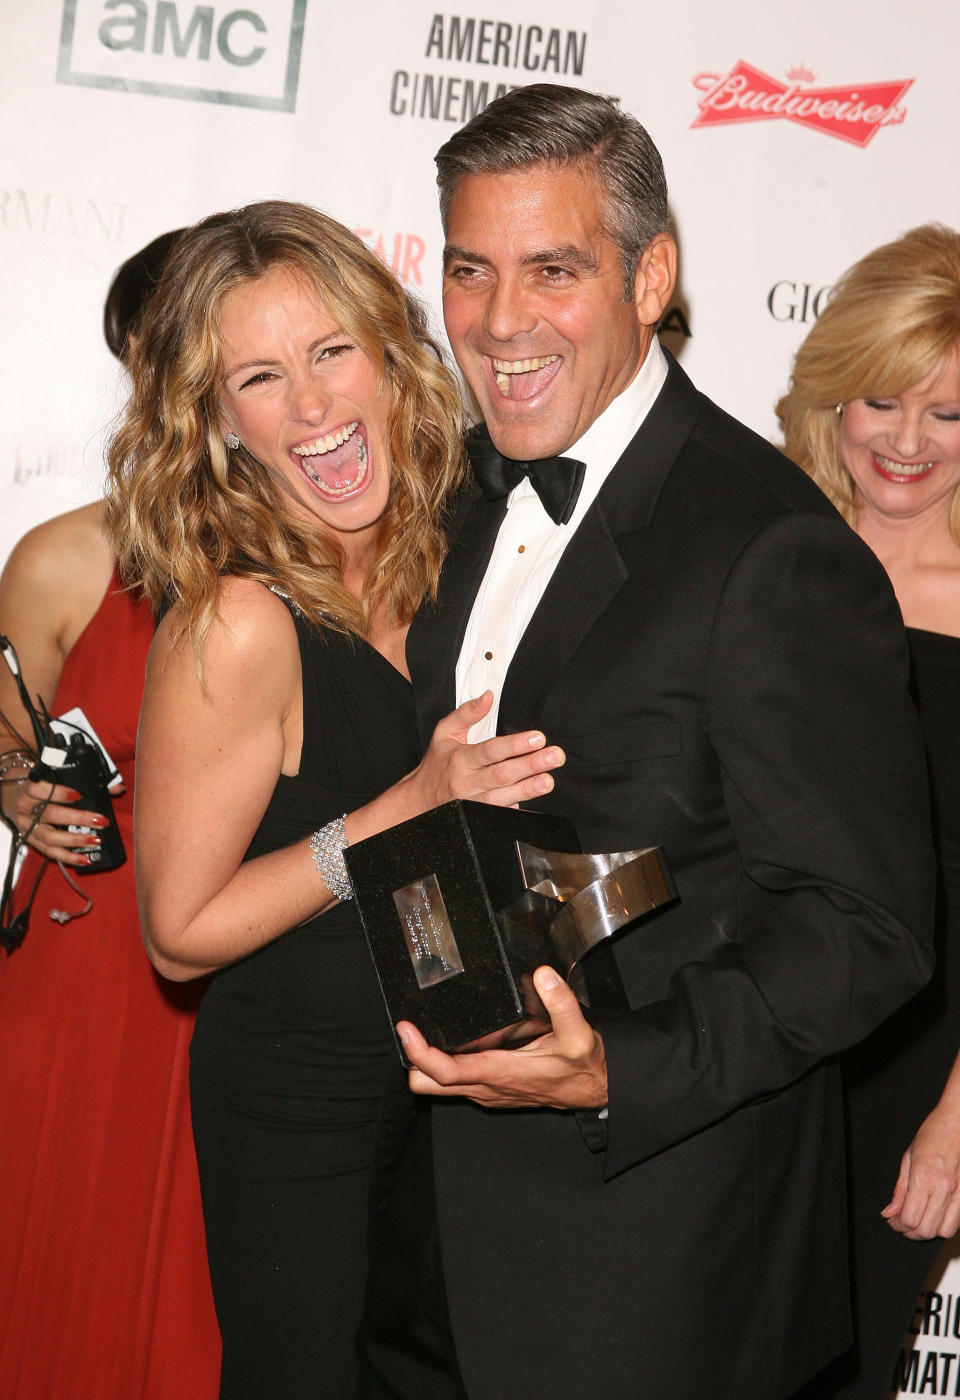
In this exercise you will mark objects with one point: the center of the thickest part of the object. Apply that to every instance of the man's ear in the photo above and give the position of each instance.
(656, 279)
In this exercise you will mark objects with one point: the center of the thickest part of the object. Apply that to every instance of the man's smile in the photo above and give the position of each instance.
(523, 379)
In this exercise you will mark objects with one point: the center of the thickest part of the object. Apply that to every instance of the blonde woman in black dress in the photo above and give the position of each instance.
(281, 481)
(873, 414)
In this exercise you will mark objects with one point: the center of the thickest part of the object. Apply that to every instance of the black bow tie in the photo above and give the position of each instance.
(556, 480)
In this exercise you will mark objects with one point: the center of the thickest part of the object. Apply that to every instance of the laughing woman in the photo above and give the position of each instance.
(280, 481)
(873, 414)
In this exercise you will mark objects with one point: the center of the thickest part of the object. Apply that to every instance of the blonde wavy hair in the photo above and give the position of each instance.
(892, 319)
(183, 511)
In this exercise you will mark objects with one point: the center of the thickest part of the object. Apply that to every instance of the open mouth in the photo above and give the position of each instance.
(336, 464)
(901, 471)
(523, 379)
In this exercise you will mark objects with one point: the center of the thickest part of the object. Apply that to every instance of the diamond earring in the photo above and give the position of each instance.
(232, 441)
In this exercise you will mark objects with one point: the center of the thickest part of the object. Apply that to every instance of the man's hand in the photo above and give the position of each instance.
(565, 1068)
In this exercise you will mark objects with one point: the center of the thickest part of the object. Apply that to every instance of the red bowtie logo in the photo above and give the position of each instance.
(746, 94)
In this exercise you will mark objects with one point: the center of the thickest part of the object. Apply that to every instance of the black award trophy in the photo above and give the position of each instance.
(461, 904)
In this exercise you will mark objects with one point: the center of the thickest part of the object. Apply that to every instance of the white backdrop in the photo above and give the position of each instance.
(795, 138)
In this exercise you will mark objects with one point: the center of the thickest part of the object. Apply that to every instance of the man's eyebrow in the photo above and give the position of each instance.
(453, 253)
(567, 255)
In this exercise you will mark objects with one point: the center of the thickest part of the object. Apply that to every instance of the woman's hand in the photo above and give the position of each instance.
(926, 1198)
(504, 771)
(38, 811)
(50, 588)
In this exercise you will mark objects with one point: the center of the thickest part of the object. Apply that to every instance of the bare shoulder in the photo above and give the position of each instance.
(57, 574)
(64, 550)
(64, 563)
(250, 611)
(250, 654)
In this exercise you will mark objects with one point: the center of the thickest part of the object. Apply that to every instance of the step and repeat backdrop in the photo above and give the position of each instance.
(795, 138)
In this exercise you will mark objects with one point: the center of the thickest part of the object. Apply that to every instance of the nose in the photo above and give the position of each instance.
(309, 400)
(907, 435)
(508, 312)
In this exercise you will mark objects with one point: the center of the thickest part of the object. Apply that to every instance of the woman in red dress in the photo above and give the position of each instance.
(104, 1288)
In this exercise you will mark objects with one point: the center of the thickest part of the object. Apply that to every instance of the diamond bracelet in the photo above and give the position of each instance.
(327, 847)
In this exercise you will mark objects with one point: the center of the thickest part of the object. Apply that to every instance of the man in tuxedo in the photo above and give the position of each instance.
(653, 1205)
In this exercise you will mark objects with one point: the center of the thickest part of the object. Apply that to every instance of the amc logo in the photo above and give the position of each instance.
(245, 53)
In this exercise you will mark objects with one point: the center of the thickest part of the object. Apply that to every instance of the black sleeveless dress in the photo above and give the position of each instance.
(289, 1061)
(894, 1078)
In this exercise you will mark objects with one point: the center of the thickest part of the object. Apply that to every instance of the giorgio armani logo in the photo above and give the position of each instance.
(58, 215)
(796, 301)
(245, 53)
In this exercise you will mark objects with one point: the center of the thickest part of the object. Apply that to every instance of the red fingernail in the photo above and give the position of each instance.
(91, 840)
(72, 795)
(99, 822)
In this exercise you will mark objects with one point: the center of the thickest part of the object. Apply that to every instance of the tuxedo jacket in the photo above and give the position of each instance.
(723, 662)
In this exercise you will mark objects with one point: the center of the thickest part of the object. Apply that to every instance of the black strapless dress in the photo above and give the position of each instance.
(895, 1077)
(289, 1061)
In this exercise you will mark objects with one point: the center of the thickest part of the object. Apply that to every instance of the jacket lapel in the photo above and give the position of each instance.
(436, 634)
(589, 574)
(592, 569)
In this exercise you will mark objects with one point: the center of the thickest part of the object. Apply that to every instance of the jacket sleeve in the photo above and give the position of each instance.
(824, 784)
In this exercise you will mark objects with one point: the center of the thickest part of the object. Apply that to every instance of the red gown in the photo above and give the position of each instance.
(104, 1289)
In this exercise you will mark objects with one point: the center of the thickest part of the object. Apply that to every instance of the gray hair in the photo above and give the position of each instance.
(547, 124)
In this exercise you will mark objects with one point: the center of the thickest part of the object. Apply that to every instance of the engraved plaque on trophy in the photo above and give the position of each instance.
(429, 935)
(461, 904)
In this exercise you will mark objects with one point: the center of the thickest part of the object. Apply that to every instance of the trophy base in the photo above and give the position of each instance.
(456, 931)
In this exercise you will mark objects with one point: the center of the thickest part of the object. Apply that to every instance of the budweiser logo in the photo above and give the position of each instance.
(800, 73)
(746, 94)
